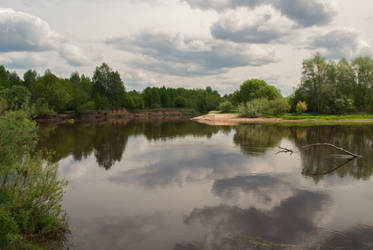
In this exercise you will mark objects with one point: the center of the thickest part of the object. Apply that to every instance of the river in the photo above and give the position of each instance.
(188, 186)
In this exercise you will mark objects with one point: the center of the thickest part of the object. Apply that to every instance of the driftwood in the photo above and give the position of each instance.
(334, 146)
(287, 150)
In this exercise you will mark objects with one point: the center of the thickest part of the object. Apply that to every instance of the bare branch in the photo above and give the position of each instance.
(331, 145)
(285, 150)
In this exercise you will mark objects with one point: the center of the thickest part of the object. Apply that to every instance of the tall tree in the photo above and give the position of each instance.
(108, 88)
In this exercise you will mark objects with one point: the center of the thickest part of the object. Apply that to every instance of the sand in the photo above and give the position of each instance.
(234, 119)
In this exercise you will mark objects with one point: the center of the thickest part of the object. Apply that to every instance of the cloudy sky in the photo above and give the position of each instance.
(183, 43)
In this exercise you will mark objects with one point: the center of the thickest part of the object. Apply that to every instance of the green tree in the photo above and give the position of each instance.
(226, 107)
(4, 78)
(29, 78)
(17, 97)
(82, 93)
(254, 89)
(108, 88)
(57, 92)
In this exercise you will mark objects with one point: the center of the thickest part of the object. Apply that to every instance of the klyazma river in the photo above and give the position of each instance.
(183, 186)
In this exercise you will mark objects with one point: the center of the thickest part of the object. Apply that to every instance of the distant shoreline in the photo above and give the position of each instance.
(235, 119)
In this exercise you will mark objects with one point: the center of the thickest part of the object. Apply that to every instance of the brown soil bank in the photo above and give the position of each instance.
(120, 114)
(234, 119)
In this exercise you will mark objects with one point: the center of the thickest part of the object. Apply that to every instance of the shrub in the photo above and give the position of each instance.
(42, 107)
(30, 191)
(226, 107)
(301, 107)
(343, 105)
(254, 108)
(277, 107)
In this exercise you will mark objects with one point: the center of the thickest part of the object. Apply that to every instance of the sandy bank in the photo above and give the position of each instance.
(234, 119)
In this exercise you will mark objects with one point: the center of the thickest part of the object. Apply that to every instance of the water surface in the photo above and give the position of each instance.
(184, 186)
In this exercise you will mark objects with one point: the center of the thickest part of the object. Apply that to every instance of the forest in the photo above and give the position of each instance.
(105, 90)
(326, 87)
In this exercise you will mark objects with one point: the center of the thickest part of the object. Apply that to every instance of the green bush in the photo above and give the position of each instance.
(301, 107)
(225, 107)
(254, 108)
(42, 107)
(277, 107)
(343, 105)
(30, 191)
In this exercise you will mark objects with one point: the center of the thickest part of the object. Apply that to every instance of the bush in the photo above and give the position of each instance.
(343, 105)
(225, 107)
(301, 107)
(30, 191)
(277, 107)
(42, 107)
(254, 108)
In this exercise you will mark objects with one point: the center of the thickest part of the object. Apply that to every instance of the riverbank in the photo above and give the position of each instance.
(235, 119)
(120, 114)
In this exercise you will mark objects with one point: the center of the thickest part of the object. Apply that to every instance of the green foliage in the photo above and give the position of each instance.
(29, 78)
(226, 107)
(16, 97)
(108, 88)
(301, 107)
(30, 191)
(255, 89)
(277, 107)
(254, 108)
(42, 107)
(180, 102)
(82, 93)
(262, 106)
(328, 87)
(57, 92)
(343, 105)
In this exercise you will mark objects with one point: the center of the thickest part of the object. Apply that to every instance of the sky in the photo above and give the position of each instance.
(183, 43)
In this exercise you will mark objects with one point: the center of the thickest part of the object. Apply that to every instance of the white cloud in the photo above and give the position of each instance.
(305, 13)
(22, 32)
(262, 25)
(338, 43)
(179, 55)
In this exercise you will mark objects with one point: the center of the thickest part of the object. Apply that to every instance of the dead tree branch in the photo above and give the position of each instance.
(334, 146)
(285, 150)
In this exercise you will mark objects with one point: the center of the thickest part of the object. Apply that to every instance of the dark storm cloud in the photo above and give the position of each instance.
(305, 13)
(176, 55)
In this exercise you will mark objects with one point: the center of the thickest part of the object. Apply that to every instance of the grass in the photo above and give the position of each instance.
(234, 111)
(321, 117)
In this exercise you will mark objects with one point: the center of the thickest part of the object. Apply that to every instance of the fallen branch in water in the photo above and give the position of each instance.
(285, 150)
(334, 146)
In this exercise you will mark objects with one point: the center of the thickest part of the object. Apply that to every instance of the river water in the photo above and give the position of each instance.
(188, 186)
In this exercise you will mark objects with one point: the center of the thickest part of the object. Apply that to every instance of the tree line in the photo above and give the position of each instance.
(326, 87)
(49, 93)
(331, 87)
